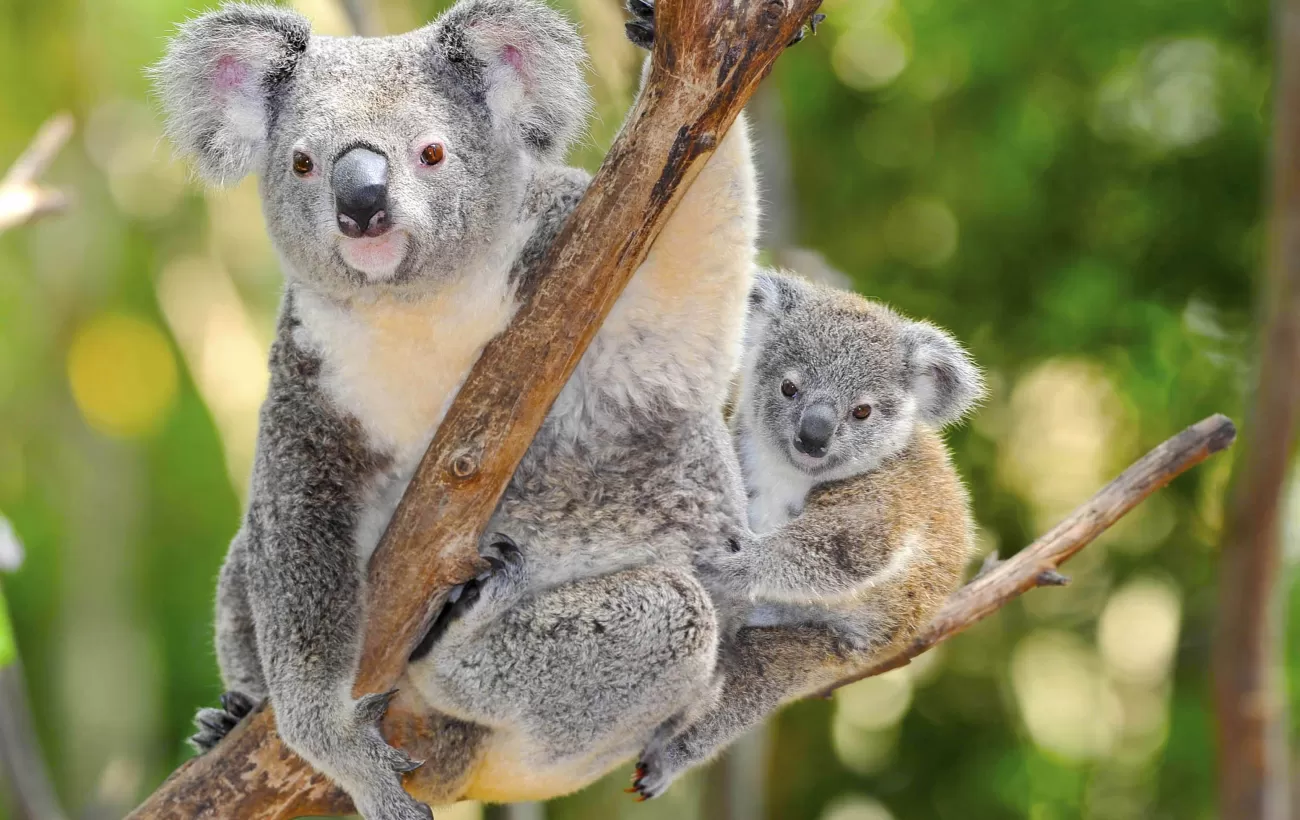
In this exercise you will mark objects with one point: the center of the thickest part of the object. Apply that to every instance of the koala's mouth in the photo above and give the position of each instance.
(812, 465)
(376, 257)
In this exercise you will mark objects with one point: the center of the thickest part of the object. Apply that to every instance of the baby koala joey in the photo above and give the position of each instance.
(861, 525)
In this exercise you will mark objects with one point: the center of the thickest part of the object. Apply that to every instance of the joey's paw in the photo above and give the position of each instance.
(215, 724)
(656, 771)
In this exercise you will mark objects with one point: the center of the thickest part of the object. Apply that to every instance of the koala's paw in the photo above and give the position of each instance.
(811, 28)
(496, 585)
(641, 28)
(356, 754)
(215, 724)
(659, 766)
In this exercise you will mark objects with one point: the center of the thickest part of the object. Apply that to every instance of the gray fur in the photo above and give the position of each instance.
(854, 551)
(600, 633)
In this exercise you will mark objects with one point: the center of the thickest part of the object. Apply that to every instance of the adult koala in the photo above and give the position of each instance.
(410, 185)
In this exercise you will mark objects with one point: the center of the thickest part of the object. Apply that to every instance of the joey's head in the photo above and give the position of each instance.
(388, 162)
(836, 383)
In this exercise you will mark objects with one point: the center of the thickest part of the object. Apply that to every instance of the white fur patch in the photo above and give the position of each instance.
(777, 490)
(912, 545)
(396, 364)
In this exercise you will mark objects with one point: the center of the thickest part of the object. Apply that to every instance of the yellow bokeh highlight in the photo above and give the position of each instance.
(122, 374)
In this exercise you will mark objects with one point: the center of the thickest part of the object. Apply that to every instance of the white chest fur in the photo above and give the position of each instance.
(395, 365)
(777, 490)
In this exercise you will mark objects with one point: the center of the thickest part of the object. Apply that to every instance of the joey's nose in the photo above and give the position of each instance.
(816, 426)
(360, 183)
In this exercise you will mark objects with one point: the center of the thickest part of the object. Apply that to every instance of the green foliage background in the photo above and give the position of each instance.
(1074, 188)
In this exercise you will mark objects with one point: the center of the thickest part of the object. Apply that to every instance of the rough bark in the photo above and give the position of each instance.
(709, 56)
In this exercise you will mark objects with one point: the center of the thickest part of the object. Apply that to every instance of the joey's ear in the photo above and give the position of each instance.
(945, 379)
(773, 292)
(216, 83)
(530, 60)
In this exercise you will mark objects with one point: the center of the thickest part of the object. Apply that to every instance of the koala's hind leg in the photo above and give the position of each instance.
(585, 670)
(762, 668)
(241, 671)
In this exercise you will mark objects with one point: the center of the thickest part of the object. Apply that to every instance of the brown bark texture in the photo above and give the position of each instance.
(708, 58)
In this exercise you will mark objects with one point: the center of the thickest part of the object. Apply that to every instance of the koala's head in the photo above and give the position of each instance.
(837, 383)
(384, 161)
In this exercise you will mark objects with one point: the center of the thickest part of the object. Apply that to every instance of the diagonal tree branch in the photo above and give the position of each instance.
(1036, 565)
(22, 197)
(709, 56)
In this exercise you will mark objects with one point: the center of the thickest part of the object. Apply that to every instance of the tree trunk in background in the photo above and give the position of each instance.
(1248, 657)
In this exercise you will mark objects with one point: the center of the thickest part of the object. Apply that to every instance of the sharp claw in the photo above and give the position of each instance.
(453, 595)
(411, 765)
(373, 707)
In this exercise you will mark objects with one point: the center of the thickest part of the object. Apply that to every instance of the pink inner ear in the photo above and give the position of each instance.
(230, 74)
(515, 58)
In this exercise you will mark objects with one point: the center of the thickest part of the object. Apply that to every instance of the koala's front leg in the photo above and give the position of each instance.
(762, 668)
(824, 554)
(305, 587)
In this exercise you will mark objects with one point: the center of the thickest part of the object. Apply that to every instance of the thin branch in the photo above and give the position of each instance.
(709, 56)
(22, 197)
(1036, 565)
(1249, 698)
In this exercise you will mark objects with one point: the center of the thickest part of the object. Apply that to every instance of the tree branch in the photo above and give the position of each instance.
(1250, 702)
(22, 198)
(1036, 565)
(709, 56)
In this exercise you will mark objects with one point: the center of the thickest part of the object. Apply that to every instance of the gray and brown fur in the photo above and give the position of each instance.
(853, 550)
(595, 630)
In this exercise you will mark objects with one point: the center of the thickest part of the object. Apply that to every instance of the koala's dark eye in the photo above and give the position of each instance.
(861, 411)
(302, 164)
(432, 153)
(788, 389)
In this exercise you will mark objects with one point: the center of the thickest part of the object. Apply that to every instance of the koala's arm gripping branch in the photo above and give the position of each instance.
(708, 58)
(1036, 565)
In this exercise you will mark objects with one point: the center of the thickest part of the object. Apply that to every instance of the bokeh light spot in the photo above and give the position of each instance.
(922, 231)
(122, 374)
(1138, 630)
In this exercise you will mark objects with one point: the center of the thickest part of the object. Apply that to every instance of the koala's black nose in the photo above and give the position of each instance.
(360, 182)
(816, 426)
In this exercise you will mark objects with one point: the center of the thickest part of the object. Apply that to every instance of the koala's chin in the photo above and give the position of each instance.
(378, 258)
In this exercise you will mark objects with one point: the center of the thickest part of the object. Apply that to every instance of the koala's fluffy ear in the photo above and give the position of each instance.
(531, 62)
(944, 378)
(216, 82)
(773, 292)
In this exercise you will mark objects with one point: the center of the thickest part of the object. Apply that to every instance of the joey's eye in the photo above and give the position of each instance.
(861, 411)
(432, 153)
(788, 389)
(302, 164)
